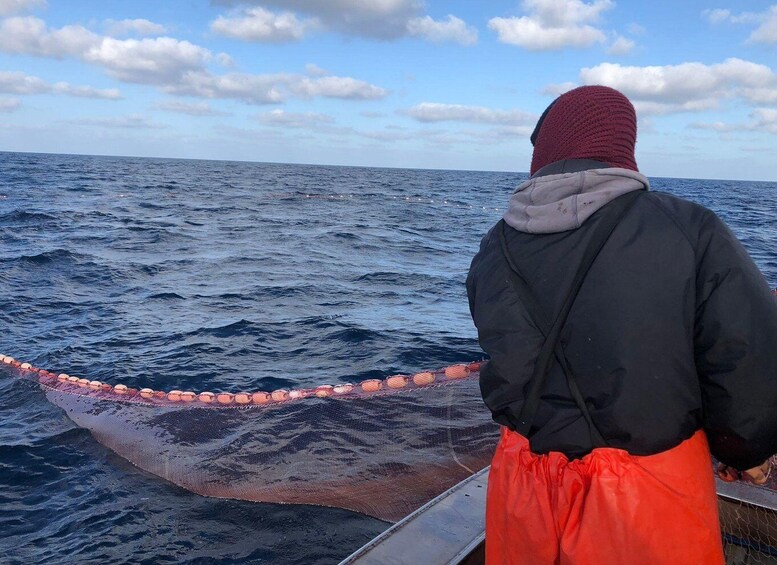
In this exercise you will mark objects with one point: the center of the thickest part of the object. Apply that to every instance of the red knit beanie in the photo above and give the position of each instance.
(590, 122)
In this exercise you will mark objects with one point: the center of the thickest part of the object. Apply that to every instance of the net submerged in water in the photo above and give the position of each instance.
(379, 447)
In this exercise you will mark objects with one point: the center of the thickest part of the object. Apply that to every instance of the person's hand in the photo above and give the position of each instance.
(757, 475)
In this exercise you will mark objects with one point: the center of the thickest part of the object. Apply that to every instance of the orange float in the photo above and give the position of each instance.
(397, 381)
(456, 371)
(372, 385)
(225, 397)
(260, 398)
(394, 382)
(343, 389)
(423, 379)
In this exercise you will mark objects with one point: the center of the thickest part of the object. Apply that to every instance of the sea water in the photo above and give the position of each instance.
(214, 275)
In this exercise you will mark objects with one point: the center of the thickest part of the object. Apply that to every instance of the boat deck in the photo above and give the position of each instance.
(450, 529)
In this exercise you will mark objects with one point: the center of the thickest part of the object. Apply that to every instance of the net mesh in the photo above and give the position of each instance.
(748, 519)
(379, 447)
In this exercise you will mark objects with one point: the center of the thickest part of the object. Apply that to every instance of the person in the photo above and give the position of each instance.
(628, 334)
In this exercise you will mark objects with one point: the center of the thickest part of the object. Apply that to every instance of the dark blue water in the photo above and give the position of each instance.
(211, 275)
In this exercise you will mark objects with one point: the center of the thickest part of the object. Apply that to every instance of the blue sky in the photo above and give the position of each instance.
(397, 83)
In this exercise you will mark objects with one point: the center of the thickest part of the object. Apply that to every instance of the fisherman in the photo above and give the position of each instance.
(629, 334)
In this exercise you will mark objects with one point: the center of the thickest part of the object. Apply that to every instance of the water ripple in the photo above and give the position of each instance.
(211, 275)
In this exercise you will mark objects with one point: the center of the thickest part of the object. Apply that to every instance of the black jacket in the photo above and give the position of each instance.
(674, 329)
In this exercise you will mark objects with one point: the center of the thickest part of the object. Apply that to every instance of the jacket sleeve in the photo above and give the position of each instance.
(735, 345)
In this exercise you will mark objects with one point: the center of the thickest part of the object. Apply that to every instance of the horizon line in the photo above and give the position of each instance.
(525, 173)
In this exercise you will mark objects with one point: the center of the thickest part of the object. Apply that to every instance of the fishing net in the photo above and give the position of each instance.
(379, 447)
(748, 519)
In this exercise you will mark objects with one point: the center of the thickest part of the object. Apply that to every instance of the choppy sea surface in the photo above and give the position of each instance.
(212, 275)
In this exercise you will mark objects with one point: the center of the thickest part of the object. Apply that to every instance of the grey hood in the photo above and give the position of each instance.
(562, 202)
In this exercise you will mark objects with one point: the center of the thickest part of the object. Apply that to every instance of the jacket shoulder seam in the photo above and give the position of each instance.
(673, 217)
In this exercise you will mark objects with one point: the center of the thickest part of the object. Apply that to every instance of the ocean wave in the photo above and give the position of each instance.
(166, 296)
(228, 277)
(26, 216)
(54, 256)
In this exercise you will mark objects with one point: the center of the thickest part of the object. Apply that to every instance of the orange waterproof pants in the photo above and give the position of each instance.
(607, 508)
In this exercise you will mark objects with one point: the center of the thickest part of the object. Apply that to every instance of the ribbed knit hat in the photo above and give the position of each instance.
(589, 122)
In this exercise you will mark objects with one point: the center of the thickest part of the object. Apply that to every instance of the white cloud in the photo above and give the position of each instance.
(721, 127)
(253, 89)
(652, 108)
(761, 95)
(766, 117)
(453, 29)
(434, 112)
(16, 82)
(333, 87)
(86, 91)
(294, 120)
(8, 105)
(258, 24)
(621, 46)
(29, 36)
(176, 67)
(133, 121)
(147, 61)
(556, 90)
(9, 7)
(273, 88)
(376, 19)
(767, 31)
(225, 60)
(142, 27)
(553, 24)
(761, 119)
(636, 29)
(382, 19)
(687, 86)
(390, 135)
(190, 108)
(719, 15)
(499, 135)
(315, 70)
